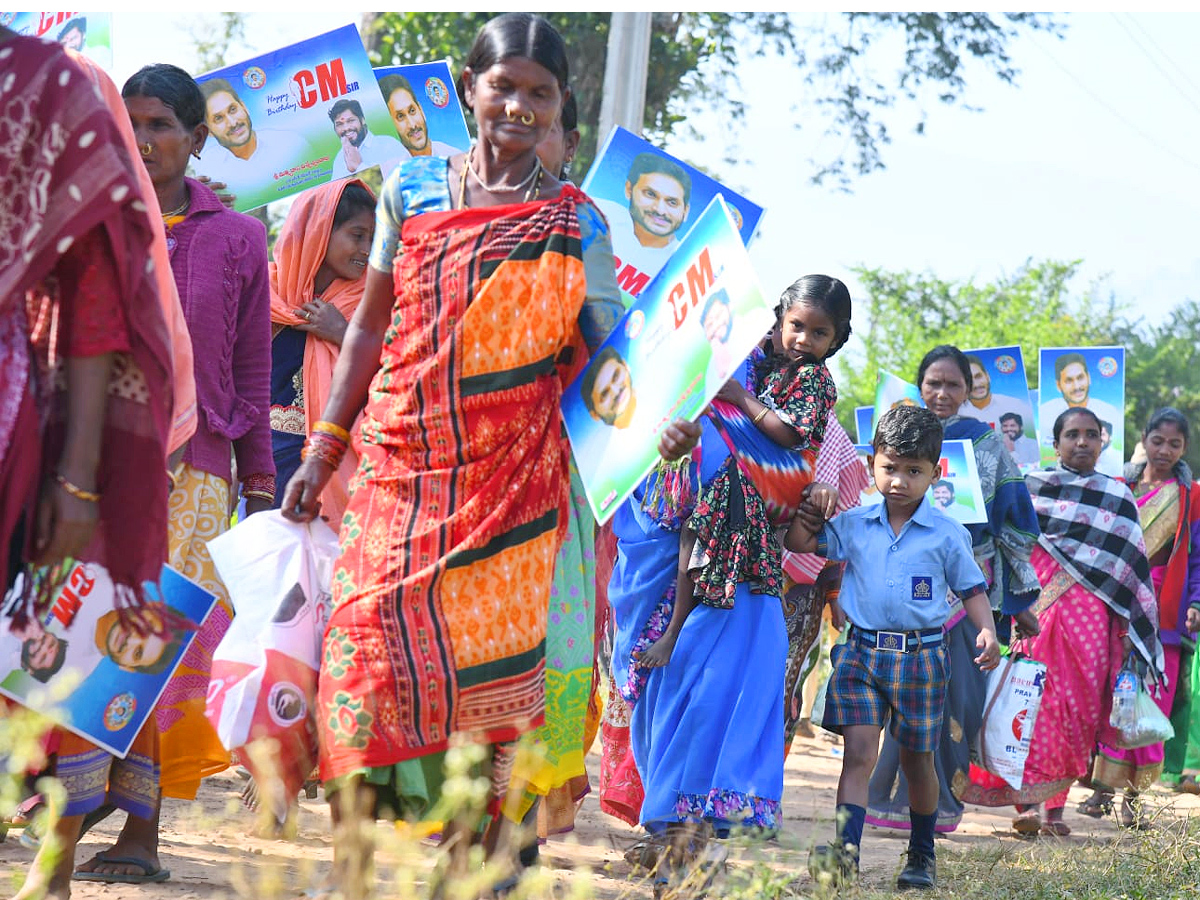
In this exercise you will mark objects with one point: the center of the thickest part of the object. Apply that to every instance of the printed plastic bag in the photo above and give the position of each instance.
(1135, 714)
(264, 675)
(1014, 696)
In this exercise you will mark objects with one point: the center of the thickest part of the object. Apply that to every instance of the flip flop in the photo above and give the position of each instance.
(149, 873)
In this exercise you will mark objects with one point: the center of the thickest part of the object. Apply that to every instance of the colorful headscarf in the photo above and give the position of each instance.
(299, 253)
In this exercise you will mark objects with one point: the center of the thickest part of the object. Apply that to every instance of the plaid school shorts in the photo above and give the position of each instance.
(866, 683)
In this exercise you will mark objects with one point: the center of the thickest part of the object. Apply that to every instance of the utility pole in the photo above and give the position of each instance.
(624, 99)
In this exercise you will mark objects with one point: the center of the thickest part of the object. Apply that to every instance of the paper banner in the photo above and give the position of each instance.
(1092, 377)
(424, 108)
(667, 357)
(89, 33)
(652, 201)
(1000, 392)
(288, 120)
(84, 670)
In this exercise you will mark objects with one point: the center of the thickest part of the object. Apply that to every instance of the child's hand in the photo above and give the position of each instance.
(836, 616)
(990, 657)
(1193, 619)
(823, 498)
(810, 517)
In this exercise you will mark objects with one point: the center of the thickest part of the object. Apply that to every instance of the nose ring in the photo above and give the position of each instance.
(146, 149)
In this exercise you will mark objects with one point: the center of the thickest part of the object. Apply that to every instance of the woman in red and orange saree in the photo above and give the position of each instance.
(486, 280)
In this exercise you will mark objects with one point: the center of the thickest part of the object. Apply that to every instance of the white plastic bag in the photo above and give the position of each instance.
(264, 677)
(1014, 695)
(1135, 714)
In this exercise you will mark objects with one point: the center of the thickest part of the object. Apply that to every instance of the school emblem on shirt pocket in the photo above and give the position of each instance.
(922, 587)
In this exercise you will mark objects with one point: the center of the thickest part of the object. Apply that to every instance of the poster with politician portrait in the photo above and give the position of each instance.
(999, 396)
(424, 107)
(82, 666)
(1091, 377)
(295, 118)
(682, 339)
(89, 33)
(651, 201)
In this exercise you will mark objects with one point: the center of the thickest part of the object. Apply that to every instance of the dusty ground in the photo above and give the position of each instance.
(210, 855)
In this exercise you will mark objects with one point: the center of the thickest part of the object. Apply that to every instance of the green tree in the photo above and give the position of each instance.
(1161, 363)
(902, 315)
(212, 41)
(695, 59)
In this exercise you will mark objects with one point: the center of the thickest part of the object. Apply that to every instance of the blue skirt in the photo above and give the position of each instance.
(707, 729)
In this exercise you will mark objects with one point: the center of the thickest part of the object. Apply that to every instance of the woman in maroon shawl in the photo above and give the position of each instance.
(84, 374)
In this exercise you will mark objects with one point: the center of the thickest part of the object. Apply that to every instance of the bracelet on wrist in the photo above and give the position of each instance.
(76, 491)
(330, 428)
(759, 417)
(325, 447)
(259, 495)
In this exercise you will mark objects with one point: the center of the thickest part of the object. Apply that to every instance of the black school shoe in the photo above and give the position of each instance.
(833, 863)
(920, 873)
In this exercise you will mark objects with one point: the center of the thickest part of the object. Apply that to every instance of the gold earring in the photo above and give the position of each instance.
(527, 119)
(196, 153)
(146, 149)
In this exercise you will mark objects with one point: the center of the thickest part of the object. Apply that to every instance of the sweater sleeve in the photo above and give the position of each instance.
(252, 364)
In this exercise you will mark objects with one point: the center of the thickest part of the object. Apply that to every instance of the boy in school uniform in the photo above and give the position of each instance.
(902, 556)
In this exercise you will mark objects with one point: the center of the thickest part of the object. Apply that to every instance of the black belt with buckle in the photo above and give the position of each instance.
(897, 641)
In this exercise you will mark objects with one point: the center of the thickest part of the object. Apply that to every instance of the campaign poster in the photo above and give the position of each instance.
(89, 33)
(424, 107)
(1092, 377)
(296, 118)
(652, 201)
(957, 492)
(668, 356)
(863, 418)
(891, 391)
(999, 396)
(80, 666)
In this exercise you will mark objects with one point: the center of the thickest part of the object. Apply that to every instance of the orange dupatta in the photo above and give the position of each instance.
(299, 252)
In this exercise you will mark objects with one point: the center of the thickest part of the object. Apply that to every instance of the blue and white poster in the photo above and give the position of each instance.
(652, 201)
(1090, 377)
(85, 669)
(424, 108)
(999, 396)
(89, 33)
(668, 356)
(296, 118)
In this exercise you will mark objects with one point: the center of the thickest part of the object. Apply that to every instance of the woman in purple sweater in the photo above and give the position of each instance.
(219, 260)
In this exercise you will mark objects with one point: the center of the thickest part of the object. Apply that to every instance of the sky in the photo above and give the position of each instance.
(1091, 156)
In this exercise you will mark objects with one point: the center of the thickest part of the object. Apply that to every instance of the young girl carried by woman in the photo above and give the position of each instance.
(774, 429)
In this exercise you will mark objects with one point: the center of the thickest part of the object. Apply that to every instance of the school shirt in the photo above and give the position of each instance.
(900, 582)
